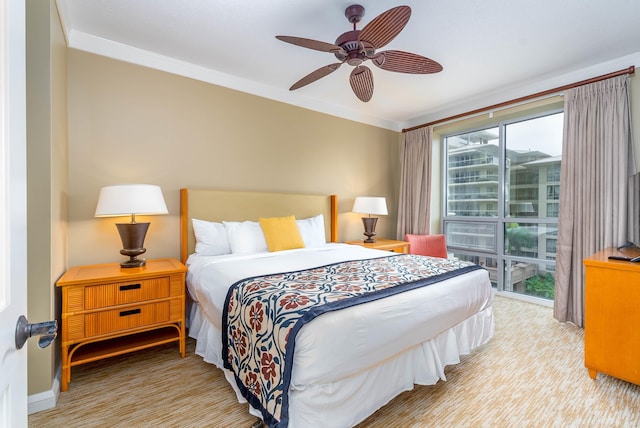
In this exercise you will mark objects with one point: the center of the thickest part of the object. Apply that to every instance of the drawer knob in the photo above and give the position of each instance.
(129, 287)
(129, 312)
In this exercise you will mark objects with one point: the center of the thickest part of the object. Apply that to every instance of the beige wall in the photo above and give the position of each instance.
(46, 180)
(130, 124)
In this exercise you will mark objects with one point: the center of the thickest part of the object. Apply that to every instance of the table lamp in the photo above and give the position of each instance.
(131, 199)
(370, 205)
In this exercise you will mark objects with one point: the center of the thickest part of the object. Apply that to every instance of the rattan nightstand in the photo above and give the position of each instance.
(108, 310)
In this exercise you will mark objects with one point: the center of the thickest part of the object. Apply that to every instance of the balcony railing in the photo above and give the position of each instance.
(474, 179)
(472, 162)
(479, 196)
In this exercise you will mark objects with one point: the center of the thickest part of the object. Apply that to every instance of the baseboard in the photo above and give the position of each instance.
(45, 400)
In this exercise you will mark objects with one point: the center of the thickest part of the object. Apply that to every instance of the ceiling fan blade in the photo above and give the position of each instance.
(386, 26)
(315, 75)
(405, 62)
(312, 44)
(361, 81)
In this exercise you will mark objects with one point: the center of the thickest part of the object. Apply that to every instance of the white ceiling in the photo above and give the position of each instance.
(491, 50)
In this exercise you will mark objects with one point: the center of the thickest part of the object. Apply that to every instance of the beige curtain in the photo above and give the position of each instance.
(634, 209)
(633, 213)
(415, 182)
(594, 182)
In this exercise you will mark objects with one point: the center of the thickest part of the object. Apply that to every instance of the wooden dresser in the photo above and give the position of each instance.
(108, 310)
(612, 315)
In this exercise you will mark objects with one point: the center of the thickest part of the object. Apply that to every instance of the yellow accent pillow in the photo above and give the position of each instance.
(281, 233)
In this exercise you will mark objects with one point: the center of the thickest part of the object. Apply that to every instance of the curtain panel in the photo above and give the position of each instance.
(414, 202)
(633, 219)
(595, 185)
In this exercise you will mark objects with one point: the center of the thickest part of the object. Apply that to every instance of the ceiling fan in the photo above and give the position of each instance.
(357, 46)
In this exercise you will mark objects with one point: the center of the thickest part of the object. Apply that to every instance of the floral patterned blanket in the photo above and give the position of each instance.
(263, 314)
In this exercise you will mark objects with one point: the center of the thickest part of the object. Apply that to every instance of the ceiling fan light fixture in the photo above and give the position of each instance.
(355, 59)
(357, 46)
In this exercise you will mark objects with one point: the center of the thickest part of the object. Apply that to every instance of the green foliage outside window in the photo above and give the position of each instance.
(519, 238)
(541, 286)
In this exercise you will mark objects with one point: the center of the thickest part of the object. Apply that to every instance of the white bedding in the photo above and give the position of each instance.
(388, 344)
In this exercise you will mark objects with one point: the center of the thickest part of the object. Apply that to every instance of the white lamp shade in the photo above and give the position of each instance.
(370, 205)
(127, 199)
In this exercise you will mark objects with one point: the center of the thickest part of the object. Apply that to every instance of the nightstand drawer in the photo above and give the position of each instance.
(83, 326)
(81, 298)
(101, 296)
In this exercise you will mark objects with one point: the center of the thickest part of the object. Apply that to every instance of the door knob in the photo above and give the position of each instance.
(46, 330)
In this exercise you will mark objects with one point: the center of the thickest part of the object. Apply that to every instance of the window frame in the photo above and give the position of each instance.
(502, 259)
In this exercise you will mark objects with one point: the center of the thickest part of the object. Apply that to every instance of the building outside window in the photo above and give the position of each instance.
(501, 201)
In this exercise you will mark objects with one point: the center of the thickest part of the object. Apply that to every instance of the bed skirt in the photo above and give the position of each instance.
(332, 404)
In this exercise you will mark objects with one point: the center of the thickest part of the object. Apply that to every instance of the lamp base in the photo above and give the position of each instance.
(369, 229)
(133, 261)
(132, 236)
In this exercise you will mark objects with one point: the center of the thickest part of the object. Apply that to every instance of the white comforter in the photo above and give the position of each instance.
(339, 344)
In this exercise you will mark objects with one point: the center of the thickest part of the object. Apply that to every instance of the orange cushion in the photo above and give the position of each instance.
(427, 245)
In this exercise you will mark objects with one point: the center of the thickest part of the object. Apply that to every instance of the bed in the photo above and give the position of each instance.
(334, 365)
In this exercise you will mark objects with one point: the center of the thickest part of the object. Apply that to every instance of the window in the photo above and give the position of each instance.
(501, 201)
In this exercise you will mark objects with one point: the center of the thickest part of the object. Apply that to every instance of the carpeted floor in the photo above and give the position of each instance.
(531, 374)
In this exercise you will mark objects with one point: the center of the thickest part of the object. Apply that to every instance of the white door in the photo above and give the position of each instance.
(13, 212)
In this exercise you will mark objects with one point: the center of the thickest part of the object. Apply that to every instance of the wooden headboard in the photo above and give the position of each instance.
(226, 205)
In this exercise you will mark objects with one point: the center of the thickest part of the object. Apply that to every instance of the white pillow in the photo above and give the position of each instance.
(245, 237)
(211, 238)
(312, 231)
